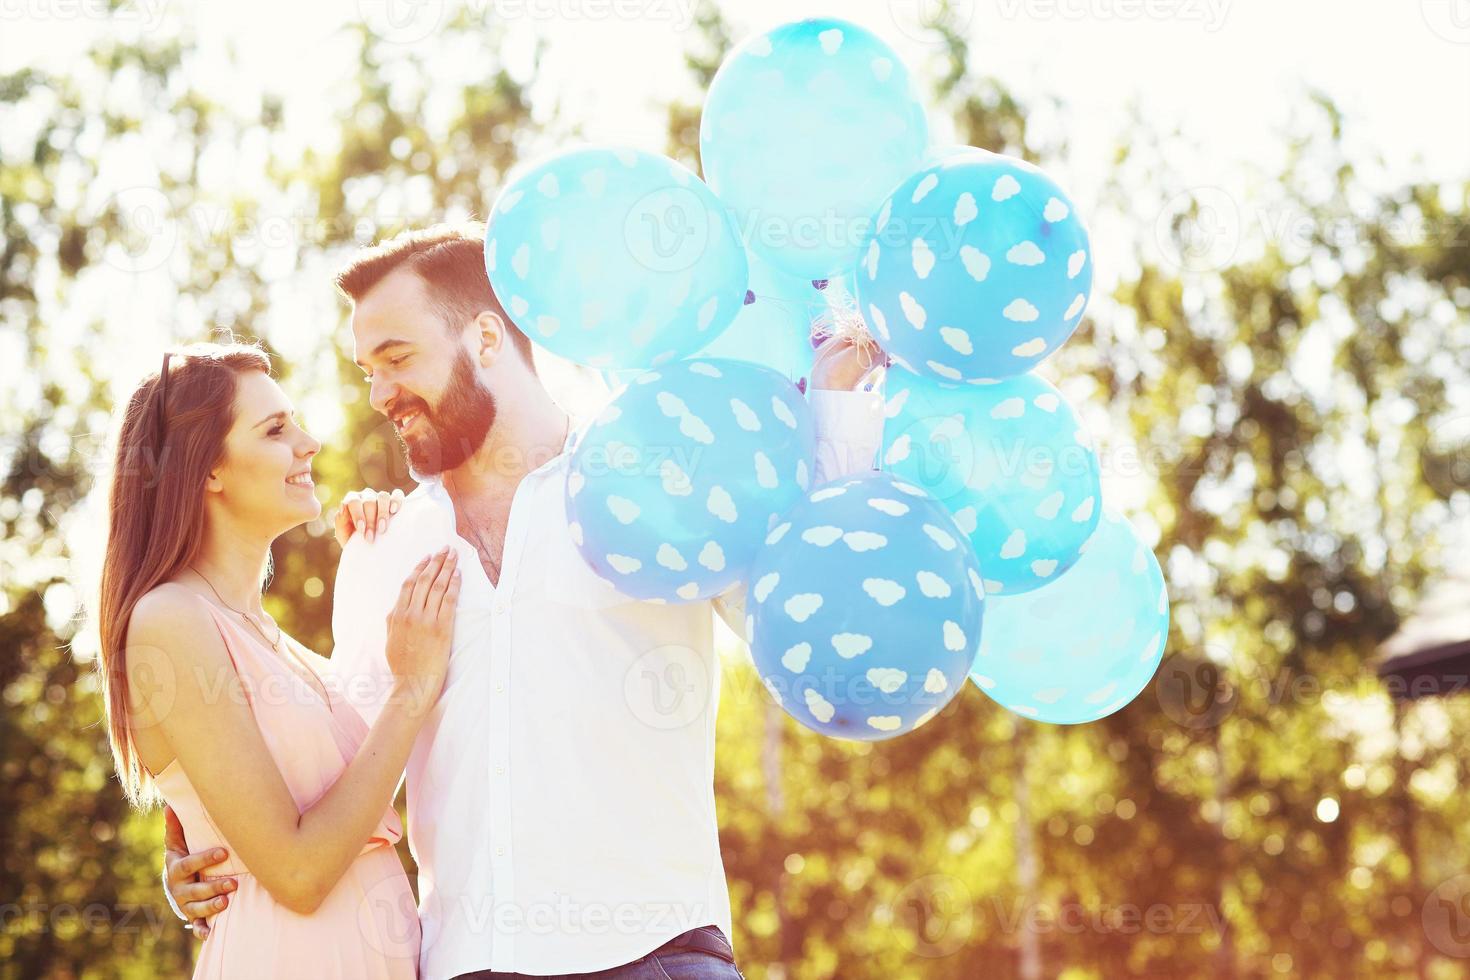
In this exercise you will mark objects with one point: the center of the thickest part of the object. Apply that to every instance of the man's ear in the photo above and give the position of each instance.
(492, 336)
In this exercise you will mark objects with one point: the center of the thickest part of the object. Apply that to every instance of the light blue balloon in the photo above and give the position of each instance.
(614, 258)
(942, 152)
(864, 608)
(804, 130)
(977, 269)
(674, 485)
(840, 289)
(1009, 460)
(775, 325)
(1079, 648)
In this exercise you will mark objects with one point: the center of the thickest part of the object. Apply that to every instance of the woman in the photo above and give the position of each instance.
(213, 707)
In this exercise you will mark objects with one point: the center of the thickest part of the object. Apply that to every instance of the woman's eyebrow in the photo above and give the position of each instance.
(271, 418)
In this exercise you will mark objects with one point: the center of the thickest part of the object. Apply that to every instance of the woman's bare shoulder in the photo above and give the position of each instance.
(174, 653)
(164, 608)
(174, 622)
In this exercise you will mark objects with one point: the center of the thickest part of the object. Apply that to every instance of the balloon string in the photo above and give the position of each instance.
(839, 317)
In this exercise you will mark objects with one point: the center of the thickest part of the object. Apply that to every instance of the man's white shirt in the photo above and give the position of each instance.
(561, 802)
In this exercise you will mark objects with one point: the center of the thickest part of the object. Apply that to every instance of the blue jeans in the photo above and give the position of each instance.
(661, 964)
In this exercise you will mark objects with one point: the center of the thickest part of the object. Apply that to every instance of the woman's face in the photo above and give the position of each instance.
(264, 480)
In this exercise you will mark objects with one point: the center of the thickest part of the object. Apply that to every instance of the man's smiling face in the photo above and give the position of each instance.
(422, 371)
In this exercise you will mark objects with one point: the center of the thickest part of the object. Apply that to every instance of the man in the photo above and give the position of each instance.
(561, 795)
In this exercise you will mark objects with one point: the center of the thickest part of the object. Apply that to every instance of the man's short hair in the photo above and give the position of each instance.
(450, 259)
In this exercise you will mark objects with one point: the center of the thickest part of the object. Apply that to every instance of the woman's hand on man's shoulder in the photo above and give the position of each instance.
(366, 511)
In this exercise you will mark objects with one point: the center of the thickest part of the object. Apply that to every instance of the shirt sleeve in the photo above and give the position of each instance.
(849, 428)
(369, 578)
(360, 606)
(849, 431)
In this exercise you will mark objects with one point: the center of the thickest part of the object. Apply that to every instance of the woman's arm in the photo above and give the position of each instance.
(201, 711)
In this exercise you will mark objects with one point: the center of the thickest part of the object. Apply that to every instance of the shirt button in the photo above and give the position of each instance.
(499, 687)
(500, 607)
(499, 770)
(500, 852)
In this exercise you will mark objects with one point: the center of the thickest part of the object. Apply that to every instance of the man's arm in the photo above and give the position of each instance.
(849, 431)
(192, 900)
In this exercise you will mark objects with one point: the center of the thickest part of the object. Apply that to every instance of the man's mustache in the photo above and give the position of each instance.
(411, 406)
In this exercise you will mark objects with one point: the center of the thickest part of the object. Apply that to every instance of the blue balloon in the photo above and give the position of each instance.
(1079, 648)
(864, 609)
(673, 486)
(940, 153)
(1012, 463)
(774, 327)
(614, 258)
(978, 267)
(804, 130)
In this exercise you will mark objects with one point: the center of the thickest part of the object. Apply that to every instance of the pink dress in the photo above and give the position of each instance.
(368, 926)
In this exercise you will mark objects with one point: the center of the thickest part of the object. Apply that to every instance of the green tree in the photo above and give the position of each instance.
(1293, 377)
(78, 876)
(1293, 406)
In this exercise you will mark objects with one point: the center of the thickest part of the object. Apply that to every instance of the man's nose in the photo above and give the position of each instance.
(381, 395)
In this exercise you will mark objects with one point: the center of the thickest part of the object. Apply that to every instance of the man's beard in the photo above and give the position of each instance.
(454, 428)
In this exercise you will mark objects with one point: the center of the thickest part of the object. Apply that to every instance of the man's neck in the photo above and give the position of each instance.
(511, 449)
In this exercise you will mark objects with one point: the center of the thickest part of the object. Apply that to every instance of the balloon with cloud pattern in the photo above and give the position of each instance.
(864, 608)
(1083, 646)
(614, 257)
(804, 130)
(977, 268)
(1012, 463)
(944, 151)
(674, 485)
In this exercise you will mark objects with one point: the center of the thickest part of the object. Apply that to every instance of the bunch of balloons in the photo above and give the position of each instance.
(983, 548)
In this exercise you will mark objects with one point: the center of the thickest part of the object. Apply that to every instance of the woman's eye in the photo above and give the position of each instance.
(277, 430)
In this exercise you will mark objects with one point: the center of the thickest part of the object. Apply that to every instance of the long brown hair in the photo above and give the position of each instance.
(172, 436)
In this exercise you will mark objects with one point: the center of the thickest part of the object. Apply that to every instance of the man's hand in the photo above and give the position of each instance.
(197, 901)
(367, 511)
(844, 360)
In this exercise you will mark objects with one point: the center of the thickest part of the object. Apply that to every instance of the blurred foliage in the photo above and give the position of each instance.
(1288, 392)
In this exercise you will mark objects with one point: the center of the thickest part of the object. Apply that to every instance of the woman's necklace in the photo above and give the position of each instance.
(275, 644)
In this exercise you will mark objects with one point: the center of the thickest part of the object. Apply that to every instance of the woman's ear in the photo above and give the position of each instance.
(212, 483)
